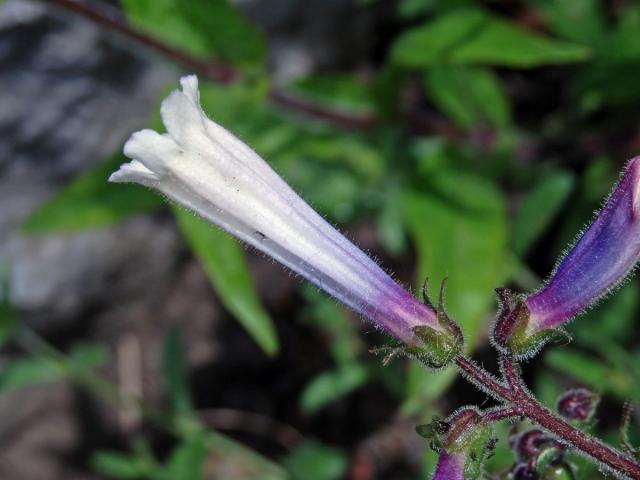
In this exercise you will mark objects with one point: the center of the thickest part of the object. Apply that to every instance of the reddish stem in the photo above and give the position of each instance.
(504, 413)
(217, 71)
(519, 399)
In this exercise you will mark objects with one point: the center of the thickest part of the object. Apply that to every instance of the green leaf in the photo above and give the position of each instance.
(88, 355)
(424, 387)
(200, 27)
(329, 316)
(8, 314)
(332, 385)
(119, 465)
(27, 371)
(469, 95)
(458, 226)
(224, 262)
(595, 374)
(187, 461)
(581, 21)
(459, 229)
(175, 371)
(609, 322)
(470, 36)
(314, 461)
(90, 201)
(539, 208)
(343, 92)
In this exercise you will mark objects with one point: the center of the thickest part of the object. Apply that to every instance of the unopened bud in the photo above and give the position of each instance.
(578, 404)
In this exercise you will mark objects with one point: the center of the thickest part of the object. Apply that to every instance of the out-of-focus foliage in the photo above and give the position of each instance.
(471, 36)
(90, 202)
(203, 27)
(483, 196)
(223, 260)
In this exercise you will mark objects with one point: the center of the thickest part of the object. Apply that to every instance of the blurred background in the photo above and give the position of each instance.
(468, 139)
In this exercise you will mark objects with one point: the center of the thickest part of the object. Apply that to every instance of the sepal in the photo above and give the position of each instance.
(513, 333)
(463, 441)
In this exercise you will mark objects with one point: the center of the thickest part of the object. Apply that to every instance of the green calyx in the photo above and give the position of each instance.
(511, 333)
(437, 348)
(550, 465)
(463, 433)
(434, 348)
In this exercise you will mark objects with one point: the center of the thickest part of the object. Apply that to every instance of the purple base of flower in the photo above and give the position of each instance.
(602, 257)
(450, 467)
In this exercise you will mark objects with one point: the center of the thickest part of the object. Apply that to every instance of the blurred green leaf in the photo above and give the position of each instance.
(314, 461)
(224, 262)
(423, 387)
(8, 314)
(470, 36)
(175, 371)
(539, 208)
(581, 21)
(27, 371)
(329, 316)
(187, 461)
(90, 201)
(391, 232)
(596, 374)
(333, 384)
(459, 228)
(88, 355)
(343, 92)
(200, 27)
(469, 95)
(611, 321)
(225, 30)
(119, 465)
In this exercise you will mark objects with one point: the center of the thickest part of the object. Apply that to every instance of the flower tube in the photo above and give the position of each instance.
(602, 257)
(450, 466)
(203, 167)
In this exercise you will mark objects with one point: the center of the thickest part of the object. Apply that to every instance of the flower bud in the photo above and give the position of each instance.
(203, 167)
(601, 258)
(462, 442)
(578, 404)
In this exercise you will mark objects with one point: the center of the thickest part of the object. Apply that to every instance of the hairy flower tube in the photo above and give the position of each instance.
(203, 167)
(602, 257)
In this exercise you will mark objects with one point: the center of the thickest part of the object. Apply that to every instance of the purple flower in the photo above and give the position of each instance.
(450, 466)
(205, 168)
(602, 257)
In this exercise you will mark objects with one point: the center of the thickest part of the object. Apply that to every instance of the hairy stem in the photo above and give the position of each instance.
(516, 398)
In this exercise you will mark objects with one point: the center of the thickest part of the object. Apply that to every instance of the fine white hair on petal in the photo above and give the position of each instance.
(204, 167)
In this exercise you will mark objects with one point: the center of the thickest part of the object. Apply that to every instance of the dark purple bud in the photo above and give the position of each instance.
(524, 471)
(600, 260)
(528, 444)
(578, 404)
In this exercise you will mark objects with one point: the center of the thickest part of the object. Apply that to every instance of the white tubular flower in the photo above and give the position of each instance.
(203, 167)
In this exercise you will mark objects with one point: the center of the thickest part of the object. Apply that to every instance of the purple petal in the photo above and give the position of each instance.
(450, 467)
(601, 258)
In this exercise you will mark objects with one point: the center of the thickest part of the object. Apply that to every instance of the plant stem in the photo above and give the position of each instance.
(217, 71)
(517, 399)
